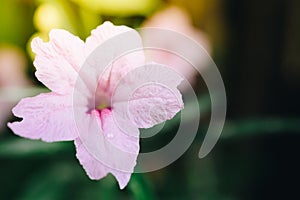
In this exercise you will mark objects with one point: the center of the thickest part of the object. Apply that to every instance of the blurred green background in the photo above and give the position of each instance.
(255, 44)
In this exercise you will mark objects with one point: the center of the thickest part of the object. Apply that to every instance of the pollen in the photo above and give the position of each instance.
(102, 106)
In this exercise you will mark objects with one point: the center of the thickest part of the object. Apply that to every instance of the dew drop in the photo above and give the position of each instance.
(109, 135)
(127, 144)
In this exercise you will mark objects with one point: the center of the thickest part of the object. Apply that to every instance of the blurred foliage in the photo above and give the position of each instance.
(16, 21)
(120, 7)
(257, 155)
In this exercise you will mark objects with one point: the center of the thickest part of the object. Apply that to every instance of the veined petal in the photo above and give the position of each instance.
(118, 65)
(115, 134)
(119, 68)
(154, 104)
(95, 169)
(58, 61)
(101, 34)
(47, 116)
(147, 96)
(118, 149)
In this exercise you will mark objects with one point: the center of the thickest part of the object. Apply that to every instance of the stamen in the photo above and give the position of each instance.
(102, 106)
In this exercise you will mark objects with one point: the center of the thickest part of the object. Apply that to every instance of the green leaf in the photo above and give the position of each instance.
(140, 188)
(47, 184)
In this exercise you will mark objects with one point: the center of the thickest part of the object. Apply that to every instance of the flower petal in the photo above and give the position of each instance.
(95, 169)
(116, 135)
(153, 104)
(147, 96)
(58, 60)
(118, 65)
(103, 33)
(47, 116)
(110, 152)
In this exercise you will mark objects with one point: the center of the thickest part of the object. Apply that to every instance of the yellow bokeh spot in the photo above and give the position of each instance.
(48, 16)
(120, 7)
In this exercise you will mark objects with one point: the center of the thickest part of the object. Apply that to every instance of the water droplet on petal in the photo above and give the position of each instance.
(109, 135)
(127, 144)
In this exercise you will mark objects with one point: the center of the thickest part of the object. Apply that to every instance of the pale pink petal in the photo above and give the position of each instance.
(147, 96)
(121, 64)
(58, 60)
(47, 116)
(153, 104)
(119, 148)
(115, 72)
(103, 33)
(95, 169)
(115, 135)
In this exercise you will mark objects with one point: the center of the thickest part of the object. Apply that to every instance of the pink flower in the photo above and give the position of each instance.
(12, 76)
(175, 19)
(54, 117)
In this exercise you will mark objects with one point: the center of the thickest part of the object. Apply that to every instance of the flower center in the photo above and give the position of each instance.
(102, 100)
(102, 106)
